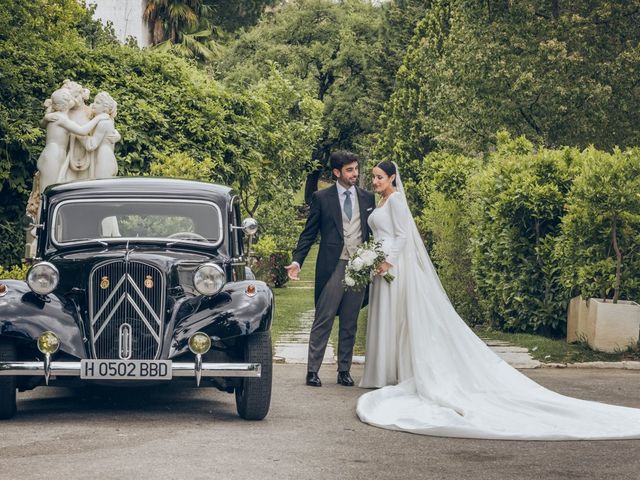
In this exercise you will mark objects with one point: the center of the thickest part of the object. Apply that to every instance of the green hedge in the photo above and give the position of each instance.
(445, 222)
(518, 204)
(600, 244)
(516, 234)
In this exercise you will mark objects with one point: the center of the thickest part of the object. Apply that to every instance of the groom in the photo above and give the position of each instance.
(339, 213)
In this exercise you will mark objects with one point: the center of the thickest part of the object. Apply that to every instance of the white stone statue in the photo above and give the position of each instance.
(76, 145)
(59, 128)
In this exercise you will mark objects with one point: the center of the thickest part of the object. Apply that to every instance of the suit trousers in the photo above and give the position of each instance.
(335, 300)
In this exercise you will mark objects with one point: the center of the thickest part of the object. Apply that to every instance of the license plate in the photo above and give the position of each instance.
(125, 369)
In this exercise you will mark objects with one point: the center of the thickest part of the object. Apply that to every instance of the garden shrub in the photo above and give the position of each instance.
(445, 221)
(16, 272)
(518, 204)
(268, 263)
(603, 215)
(279, 228)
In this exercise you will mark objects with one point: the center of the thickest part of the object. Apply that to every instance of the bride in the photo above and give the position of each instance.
(437, 377)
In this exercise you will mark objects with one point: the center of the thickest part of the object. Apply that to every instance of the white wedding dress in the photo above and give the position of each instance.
(438, 377)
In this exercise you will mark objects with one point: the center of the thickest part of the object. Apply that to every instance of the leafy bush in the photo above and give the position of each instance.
(268, 263)
(446, 221)
(518, 205)
(16, 272)
(600, 245)
(277, 236)
(181, 165)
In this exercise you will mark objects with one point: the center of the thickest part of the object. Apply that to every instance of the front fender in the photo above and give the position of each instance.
(24, 316)
(230, 313)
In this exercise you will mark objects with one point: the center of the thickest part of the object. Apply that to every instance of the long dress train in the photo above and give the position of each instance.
(449, 382)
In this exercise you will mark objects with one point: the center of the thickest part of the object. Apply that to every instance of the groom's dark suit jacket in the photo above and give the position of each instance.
(325, 217)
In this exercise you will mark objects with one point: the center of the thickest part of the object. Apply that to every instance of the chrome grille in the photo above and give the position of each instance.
(126, 310)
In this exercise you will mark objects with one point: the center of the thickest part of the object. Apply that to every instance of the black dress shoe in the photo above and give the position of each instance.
(344, 378)
(313, 380)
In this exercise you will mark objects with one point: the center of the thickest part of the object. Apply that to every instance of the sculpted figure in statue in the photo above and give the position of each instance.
(101, 139)
(77, 164)
(59, 127)
(80, 162)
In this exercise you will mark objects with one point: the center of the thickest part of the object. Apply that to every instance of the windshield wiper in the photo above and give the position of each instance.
(100, 242)
(206, 241)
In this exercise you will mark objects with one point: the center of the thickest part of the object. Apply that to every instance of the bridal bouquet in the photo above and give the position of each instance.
(362, 266)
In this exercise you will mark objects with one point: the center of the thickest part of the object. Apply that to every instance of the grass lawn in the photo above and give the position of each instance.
(551, 350)
(294, 299)
(297, 297)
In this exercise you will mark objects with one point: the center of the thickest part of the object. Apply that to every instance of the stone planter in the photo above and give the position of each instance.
(577, 320)
(609, 327)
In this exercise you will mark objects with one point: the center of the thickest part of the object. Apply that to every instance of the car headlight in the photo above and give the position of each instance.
(43, 278)
(209, 279)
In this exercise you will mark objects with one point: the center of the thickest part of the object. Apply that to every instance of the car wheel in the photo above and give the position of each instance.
(253, 396)
(7, 384)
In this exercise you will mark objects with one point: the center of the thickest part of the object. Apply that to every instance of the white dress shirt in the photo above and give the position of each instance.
(342, 196)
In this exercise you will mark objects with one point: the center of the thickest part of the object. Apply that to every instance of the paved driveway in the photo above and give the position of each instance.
(309, 434)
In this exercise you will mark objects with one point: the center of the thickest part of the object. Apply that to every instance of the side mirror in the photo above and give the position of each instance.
(250, 226)
(27, 223)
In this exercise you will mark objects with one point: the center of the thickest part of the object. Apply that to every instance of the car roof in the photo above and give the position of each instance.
(138, 186)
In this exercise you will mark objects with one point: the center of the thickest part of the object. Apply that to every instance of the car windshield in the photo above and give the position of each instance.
(172, 220)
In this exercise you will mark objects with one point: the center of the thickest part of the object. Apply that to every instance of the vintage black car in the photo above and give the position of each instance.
(138, 281)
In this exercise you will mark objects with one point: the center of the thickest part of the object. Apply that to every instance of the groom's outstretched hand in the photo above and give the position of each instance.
(292, 271)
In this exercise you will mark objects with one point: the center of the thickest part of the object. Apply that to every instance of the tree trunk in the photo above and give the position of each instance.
(555, 9)
(311, 185)
(616, 247)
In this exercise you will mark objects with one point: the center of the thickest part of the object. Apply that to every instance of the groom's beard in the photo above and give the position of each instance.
(348, 183)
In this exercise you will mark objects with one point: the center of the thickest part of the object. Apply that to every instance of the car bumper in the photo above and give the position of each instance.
(178, 369)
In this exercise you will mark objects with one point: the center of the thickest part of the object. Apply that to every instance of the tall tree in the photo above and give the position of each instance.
(562, 73)
(232, 15)
(333, 48)
(398, 28)
(182, 26)
(168, 18)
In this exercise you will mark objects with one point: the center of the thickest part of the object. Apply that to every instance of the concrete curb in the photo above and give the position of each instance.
(624, 365)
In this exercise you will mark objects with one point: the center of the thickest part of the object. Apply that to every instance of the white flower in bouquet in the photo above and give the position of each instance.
(357, 264)
(369, 257)
(348, 281)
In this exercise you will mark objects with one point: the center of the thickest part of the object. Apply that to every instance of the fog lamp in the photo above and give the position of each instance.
(49, 343)
(199, 343)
